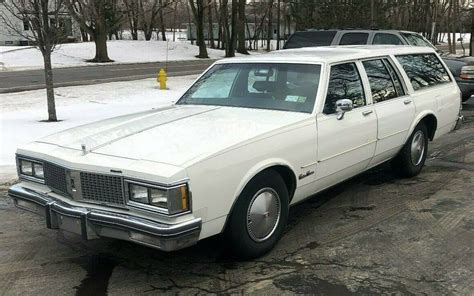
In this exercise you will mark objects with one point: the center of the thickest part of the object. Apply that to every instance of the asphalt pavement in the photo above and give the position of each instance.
(14, 81)
(374, 234)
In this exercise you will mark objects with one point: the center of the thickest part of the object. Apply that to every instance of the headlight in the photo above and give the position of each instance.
(26, 167)
(38, 171)
(30, 168)
(172, 200)
(139, 193)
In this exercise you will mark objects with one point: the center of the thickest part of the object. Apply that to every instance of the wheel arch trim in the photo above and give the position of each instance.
(420, 117)
(253, 172)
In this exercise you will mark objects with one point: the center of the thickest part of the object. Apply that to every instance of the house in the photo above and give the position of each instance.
(8, 36)
(249, 31)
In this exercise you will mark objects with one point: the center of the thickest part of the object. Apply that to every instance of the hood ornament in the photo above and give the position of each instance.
(84, 150)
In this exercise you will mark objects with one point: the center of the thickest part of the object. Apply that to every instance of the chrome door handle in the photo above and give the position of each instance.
(406, 102)
(365, 113)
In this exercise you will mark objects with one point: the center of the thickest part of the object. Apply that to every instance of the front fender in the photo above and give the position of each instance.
(257, 168)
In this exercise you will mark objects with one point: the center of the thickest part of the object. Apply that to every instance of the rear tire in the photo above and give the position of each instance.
(410, 160)
(259, 216)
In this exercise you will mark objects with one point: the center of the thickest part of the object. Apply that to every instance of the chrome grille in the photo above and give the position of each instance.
(55, 177)
(102, 188)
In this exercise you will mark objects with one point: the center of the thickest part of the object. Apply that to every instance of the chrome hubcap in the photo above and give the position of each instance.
(263, 214)
(417, 148)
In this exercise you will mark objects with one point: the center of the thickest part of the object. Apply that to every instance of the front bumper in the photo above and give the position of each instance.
(91, 223)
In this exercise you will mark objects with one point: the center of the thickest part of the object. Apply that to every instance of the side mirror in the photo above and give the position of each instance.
(343, 106)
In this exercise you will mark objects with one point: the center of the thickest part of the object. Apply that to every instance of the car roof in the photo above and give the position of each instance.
(357, 30)
(329, 54)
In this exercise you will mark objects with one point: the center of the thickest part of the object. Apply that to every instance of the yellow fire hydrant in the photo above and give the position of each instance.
(161, 78)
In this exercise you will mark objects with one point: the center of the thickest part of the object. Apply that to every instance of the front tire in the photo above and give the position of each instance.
(259, 216)
(411, 159)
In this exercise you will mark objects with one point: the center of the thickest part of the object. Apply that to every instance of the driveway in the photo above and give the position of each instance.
(372, 234)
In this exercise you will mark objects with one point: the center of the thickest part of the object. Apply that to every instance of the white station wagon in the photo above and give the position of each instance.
(249, 138)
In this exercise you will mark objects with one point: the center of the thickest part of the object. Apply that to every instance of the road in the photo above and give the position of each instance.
(14, 81)
(373, 234)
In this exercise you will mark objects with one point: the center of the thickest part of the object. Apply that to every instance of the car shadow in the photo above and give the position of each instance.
(102, 256)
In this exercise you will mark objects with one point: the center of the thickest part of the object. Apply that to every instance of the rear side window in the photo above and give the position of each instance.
(309, 39)
(344, 83)
(386, 38)
(416, 40)
(424, 70)
(354, 39)
(397, 81)
(380, 80)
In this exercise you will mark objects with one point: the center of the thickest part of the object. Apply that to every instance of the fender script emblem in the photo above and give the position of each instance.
(308, 173)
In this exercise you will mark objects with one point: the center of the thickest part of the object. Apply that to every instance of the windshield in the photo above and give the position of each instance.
(288, 87)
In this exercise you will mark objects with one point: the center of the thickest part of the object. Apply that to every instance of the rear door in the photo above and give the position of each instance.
(394, 108)
(345, 146)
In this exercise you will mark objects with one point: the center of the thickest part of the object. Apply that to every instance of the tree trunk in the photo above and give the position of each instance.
(270, 25)
(190, 28)
(84, 35)
(134, 32)
(101, 54)
(233, 29)
(219, 21)
(211, 27)
(278, 24)
(48, 75)
(198, 12)
(148, 33)
(241, 28)
(162, 22)
(471, 43)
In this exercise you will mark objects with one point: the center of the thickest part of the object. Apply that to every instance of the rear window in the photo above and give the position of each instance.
(424, 70)
(310, 39)
(354, 39)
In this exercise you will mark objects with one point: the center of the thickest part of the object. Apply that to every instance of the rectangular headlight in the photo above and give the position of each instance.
(38, 171)
(31, 168)
(26, 167)
(138, 193)
(170, 200)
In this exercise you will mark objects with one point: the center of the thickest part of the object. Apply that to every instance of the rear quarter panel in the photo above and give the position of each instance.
(443, 101)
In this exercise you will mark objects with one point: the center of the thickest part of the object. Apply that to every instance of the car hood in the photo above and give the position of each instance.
(177, 135)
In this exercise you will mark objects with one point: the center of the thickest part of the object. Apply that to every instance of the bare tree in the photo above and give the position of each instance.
(98, 18)
(132, 12)
(197, 7)
(44, 20)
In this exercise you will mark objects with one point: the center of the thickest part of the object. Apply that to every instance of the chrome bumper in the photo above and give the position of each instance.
(91, 224)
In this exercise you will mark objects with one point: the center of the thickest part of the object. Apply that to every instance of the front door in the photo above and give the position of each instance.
(345, 146)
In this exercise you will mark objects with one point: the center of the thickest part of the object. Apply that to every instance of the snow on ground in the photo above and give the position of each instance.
(21, 113)
(121, 51)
